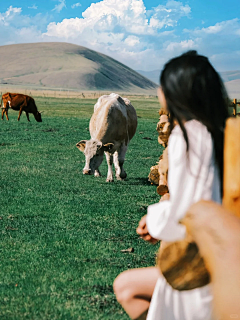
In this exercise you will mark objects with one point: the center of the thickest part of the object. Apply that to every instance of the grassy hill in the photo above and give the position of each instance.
(66, 66)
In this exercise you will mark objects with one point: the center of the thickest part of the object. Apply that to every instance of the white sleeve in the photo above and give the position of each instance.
(163, 217)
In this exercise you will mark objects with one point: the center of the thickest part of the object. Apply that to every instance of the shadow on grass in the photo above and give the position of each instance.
(138, 181)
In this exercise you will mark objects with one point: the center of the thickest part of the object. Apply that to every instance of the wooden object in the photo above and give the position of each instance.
(163, 111)
(163, 128)
(235, 107)
(164, 134)
(153, 176)
(163, 119)
(182, 265)
(231, 179)
(163, 173)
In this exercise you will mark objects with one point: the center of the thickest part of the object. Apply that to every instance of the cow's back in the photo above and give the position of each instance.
(110, 120)
(132, 118)
(18, 99)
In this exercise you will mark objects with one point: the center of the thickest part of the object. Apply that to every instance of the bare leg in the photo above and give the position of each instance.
(109, 158)
(2, 113)
(119, 158)
(134, 289)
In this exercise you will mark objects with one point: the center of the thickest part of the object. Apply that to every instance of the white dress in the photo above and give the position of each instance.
(191, 177)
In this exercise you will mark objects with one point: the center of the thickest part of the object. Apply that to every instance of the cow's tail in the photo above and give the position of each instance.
(1, 103)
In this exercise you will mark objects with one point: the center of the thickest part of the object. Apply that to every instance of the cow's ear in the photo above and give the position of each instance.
(108, 147)
(81, 145)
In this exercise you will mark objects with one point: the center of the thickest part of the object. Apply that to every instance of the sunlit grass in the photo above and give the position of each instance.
(61, 232)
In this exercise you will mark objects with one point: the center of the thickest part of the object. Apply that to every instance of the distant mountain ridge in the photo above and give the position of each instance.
(66, 66)
(151, 75)
(230, 75)
(231, 80)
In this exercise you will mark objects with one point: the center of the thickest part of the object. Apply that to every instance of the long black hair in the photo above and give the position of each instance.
(194, 90)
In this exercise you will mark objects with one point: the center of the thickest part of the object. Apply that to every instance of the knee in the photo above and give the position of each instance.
(122, 288)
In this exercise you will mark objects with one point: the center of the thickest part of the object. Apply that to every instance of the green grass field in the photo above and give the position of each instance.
(62, 232)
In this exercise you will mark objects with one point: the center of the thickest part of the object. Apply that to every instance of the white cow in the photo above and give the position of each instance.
(112, 126)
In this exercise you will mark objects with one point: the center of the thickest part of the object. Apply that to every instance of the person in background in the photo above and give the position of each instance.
(194, 95)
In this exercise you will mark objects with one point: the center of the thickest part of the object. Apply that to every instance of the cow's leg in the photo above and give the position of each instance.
(23, 104)
(109, 158)
(116, 165)
(20, 112)
(27, 114)
(119, 158)
(6, 113)
(97, 173)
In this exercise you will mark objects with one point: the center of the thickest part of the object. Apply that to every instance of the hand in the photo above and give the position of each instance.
(143, 231)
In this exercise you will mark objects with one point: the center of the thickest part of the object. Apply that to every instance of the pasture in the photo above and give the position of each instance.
(62, 232)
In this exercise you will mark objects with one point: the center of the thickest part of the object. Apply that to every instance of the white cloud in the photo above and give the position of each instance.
(33, 7)
(227, 27)
(128, 16)
(169, 15)
(122, 29)
(12, 10)
(60, 6)
(18, 28)
(9, 15)
(75, 5)
(132, 41)
(220, 42)
(179, 47)
(125, 30)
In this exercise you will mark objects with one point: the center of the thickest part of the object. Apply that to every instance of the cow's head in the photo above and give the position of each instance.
(38, 116)
(93, 151)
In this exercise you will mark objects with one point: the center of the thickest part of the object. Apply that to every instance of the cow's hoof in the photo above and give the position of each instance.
(109, 180)
(123, 176)
(97, 174)
(119, 178)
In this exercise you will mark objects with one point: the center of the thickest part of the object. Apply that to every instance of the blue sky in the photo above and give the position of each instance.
(142, 34)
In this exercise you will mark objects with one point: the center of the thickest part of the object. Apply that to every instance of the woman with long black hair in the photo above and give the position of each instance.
(194, 95)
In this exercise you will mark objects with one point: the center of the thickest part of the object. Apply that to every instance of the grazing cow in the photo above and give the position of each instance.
(112, 126)
(21, 102)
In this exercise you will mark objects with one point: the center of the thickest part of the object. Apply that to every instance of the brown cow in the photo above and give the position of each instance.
(21, 102)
